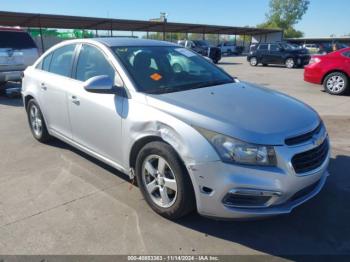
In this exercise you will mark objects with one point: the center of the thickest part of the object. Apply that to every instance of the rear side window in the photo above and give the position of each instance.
(263, 47)
(347, 54)
(61, 62)
(16, 40)
(45, 63)
(92, 63)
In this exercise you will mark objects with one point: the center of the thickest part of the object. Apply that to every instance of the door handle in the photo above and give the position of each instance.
(43, 86)
(75, 100)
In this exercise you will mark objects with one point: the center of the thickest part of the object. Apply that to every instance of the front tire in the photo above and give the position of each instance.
(164, 181)
(37, 122)
(253, 61)
(336, 83)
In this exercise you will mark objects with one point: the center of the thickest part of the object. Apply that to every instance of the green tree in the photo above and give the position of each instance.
(285, 14)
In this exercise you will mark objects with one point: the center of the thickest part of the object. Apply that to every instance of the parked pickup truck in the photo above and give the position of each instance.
(230, 48)
(202, 47)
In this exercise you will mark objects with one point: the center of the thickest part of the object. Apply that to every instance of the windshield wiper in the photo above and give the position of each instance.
(211, 83)
(189, 86)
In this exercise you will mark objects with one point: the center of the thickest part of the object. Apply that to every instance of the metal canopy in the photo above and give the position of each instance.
(79, 22)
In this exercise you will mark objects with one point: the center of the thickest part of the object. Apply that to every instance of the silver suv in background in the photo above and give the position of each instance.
(17, 51)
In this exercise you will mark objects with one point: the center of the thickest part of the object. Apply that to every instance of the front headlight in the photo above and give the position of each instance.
(236, 151)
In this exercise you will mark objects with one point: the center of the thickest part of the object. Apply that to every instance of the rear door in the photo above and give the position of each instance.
(275, 55)
(262, 53)
(55, 81)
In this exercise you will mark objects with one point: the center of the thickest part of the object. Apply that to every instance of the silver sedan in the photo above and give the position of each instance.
(194, 137)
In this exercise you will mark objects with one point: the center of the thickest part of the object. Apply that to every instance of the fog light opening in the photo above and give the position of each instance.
(206, 190)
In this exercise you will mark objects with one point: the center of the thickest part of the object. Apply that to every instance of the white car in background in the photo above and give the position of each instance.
(313, 48)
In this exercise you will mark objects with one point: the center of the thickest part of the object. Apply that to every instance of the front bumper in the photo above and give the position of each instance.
(214, 180)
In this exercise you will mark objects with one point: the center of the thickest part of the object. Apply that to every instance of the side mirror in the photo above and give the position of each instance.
(100, 84)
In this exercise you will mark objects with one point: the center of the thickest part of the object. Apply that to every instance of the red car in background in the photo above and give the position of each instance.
(332, 70)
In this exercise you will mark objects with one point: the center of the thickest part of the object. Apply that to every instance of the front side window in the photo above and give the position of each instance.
(163, 69)
(263, 47)
(92, 62)
(61, 62)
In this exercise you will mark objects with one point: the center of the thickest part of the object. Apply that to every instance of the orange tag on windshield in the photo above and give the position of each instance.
(156, 77)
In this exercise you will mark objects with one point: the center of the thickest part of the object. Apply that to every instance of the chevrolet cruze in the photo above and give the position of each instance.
(193, 136)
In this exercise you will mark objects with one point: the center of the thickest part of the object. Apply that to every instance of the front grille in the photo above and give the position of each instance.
(304, 137)
(310, 160)
(305, 191)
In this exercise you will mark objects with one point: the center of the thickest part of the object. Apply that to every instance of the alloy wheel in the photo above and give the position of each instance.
(36, 121)
(253, 61)
(336, 84)
(290, 63)
(159, 180)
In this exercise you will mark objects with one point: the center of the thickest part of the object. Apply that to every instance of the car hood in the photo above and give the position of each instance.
(241, 110)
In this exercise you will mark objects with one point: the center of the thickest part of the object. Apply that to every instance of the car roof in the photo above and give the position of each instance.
(123, 41)
(11, 29)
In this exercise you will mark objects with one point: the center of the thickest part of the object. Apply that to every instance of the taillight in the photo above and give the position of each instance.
(314, 60)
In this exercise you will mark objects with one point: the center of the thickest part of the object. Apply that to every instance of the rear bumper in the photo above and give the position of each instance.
(312, 75)
(10, 76)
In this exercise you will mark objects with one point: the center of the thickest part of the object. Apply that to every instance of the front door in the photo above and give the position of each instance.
(95, 118)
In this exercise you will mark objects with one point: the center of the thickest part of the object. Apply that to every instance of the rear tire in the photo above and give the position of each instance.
(164, 181)
(290, 63)
(253, 61)
(336, 83)
(37, 123)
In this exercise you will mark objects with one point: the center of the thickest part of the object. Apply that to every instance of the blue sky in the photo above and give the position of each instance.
(324, 17)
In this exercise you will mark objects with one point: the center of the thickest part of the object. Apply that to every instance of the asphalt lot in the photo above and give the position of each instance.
(57, 200)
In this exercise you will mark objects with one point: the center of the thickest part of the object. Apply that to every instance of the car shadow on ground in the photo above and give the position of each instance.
(319, 226)
(62, 145)
(229, 63)
(281, 66)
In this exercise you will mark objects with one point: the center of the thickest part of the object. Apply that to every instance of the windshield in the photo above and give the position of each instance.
(163, 69)
(16, 40)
